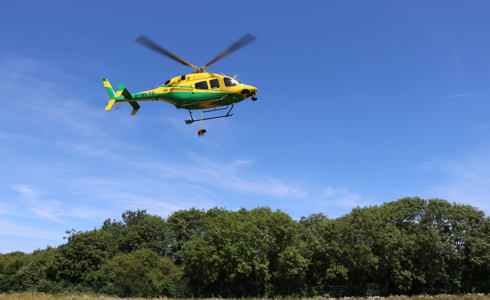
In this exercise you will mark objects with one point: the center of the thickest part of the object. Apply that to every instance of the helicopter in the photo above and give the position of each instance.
(199, 90)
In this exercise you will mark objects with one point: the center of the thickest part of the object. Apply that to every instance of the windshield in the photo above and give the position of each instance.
(230, 81)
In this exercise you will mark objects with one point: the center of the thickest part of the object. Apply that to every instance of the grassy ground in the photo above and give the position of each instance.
(42, 296)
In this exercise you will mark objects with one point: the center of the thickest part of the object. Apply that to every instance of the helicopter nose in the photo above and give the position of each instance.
(253, 92)
(249, 90)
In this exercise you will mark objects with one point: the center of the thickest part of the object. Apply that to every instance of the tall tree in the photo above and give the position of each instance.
(184, 226)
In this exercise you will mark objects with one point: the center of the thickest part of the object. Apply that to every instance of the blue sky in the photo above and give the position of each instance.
(360, 103)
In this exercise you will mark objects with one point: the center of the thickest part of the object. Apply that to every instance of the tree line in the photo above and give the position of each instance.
(409, 246)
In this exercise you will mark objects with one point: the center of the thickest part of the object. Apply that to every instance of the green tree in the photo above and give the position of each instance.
(38, 272)
(85, 252)
(142, 273)
(324, 249)
(144, 231)
(184, 226)
(246, 251)
(10, 264)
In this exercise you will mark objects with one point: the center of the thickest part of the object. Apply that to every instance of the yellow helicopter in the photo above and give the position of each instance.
(208, 92)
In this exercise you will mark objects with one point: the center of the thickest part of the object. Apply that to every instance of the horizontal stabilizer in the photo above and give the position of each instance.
(135, 106)
(126, 94)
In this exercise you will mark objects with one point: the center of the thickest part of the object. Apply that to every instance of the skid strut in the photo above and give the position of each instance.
(192, 120)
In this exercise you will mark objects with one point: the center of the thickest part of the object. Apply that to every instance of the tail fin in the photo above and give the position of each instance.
(112, 95)
(121, 90)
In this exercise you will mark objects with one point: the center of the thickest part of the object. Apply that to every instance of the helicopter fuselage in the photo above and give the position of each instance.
(195, 91)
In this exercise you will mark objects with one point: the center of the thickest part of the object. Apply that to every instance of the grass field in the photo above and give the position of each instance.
(42, 296)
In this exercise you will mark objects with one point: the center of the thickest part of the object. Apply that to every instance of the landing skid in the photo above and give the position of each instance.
(192, 120)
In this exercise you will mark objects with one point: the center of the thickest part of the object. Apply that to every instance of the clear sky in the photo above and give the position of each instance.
(360, 103)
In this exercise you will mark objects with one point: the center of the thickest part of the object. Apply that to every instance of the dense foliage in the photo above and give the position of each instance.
(406, 246)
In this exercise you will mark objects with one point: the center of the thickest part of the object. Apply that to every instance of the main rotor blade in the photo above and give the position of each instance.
(150, 44)
(247, 38)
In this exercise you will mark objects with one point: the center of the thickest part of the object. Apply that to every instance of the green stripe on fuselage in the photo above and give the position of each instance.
(179, 98)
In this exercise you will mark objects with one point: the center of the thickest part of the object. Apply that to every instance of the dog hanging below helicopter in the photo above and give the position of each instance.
(200, 90)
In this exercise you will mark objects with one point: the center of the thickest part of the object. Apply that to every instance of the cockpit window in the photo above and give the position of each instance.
(230, 81)
(167, 82)
(214, 83)
(202, 85)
